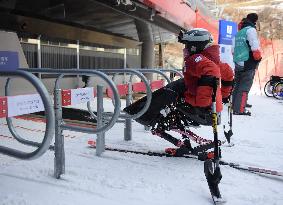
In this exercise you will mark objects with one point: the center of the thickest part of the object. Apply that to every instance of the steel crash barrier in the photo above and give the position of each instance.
(11, 106)
(72, 97)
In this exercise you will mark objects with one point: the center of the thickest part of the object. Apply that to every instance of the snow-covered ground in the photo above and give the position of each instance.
(129, 179)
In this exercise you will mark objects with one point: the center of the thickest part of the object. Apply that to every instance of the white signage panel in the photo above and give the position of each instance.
(81, 95)
(24, 104)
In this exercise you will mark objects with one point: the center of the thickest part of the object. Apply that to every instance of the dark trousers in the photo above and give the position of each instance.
(243, 83)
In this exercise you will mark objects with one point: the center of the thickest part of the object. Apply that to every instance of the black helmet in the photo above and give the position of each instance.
(195, 40)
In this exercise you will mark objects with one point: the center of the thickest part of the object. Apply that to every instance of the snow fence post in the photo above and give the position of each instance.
(100, 141)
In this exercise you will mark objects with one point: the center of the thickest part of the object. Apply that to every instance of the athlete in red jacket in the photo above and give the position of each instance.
(201, 65)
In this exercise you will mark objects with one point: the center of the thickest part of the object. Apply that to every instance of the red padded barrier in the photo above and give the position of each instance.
(122, 90)
(139, 87)
(154, 85)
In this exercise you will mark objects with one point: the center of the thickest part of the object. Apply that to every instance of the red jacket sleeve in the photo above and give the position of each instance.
(227, 77)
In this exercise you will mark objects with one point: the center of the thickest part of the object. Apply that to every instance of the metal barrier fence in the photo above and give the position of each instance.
(130, 88)
(59, 122)
(127, 119)
(50, 118)
(64, 97)
(125, 116)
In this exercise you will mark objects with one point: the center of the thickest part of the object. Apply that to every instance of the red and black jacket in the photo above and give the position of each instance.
(197, 68)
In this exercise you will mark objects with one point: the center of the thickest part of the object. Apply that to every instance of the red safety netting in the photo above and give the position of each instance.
(208, 23)
(184, 16)
(176, 11)
(272, 62)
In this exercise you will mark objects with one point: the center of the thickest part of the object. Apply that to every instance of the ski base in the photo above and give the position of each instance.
(200, 157)
(92, 144)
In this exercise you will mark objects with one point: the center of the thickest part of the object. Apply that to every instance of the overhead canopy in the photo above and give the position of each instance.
(100, 22)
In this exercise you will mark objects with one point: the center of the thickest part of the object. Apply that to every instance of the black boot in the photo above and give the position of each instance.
(246, 112)
(248, 105)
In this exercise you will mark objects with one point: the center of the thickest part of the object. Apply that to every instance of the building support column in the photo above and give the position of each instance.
(160, 60)
(125, 65)
(147, 52)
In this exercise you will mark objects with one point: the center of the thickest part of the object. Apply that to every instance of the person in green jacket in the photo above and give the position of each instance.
(246, 56)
